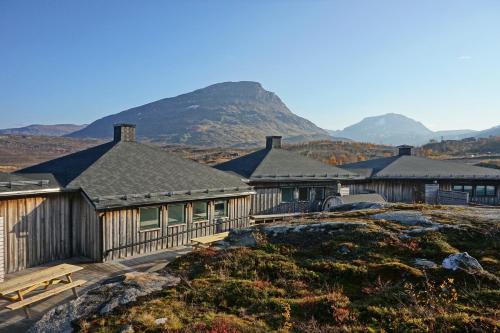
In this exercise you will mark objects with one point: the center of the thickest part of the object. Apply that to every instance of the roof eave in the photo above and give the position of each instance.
(101, 206)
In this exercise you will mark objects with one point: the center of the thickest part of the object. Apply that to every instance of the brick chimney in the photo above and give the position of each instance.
(273, 142)
(124, 132)
(405, 150)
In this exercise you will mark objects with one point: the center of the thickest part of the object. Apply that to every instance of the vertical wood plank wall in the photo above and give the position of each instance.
(86, 229)
(123, 238)
(2, 254)
(414, 191)
(267, 199)
(37, 230)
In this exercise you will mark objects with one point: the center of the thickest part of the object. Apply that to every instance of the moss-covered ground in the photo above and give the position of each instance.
(351, 278)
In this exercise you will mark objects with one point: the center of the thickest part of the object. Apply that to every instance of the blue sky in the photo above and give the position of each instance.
(333, 62)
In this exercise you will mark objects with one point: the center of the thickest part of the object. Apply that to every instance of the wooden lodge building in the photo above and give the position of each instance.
(114, 200)
(286, 182)
(404, 178)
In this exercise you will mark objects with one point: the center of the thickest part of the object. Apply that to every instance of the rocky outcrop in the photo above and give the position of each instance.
(462, 261)
(407, 218)
(103, 299)
(356, 206)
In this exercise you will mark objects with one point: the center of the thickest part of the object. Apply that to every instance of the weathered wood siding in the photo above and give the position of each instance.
(123, 238)
(86, 229)
(37, 230)
(2, 254)
(392, 191)
(414, 191)
(268, 200)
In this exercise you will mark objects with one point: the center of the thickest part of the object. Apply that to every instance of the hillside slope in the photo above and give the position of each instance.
(396, 129)
(43, 130)
(223, 114)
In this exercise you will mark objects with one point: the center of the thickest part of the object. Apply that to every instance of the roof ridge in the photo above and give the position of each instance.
(335, 170)
(182, 159)
(93, 164)
(397, 158)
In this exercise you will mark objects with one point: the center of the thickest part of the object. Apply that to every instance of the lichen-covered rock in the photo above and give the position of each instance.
(161, 321)
(356, 206)
(425, 263)
(407, 218)
(463, 261)
(103, 299)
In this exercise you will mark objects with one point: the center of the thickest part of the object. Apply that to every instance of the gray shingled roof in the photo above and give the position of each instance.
(277, 164)
(131, 173)
(413, 167)
(13, 183)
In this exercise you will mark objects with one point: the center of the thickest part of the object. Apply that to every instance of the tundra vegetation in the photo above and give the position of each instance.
(335, 272)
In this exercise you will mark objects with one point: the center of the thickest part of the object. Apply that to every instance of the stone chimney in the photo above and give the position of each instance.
(273, 142)
(124, 132)
(405, 150)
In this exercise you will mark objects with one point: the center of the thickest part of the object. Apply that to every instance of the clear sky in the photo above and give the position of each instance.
(333, 62)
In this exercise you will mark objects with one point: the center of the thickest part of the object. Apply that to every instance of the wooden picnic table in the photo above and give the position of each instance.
(207, 240)
(15, 290)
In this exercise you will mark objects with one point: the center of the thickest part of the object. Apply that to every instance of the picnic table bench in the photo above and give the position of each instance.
(15, 290)
(207, 240)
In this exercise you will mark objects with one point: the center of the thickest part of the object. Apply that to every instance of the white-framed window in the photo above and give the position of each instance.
(149, 218)
(176, 214)
(200, 211)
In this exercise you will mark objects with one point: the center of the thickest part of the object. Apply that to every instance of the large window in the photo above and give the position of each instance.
(149, 218)
(463, 188)
(485, 191)
(176, 214)
(478, 190)
(491, 191)
(200, 211)
(319, 193)
(221, 209)
(287, 194)
(304, 194)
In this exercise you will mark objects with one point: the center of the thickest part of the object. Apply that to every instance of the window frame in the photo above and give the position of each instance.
(184, 215)
(308, 189)
(158, 218)
(226, 209)
(206, 218)
(293, 194)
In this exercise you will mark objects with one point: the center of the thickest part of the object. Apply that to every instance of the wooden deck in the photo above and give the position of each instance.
(93, 273)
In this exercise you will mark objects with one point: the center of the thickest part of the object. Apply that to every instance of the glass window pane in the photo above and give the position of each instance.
(176, 214)
(458, 188)
(200, 211)
(468, 188)
(220, 208)
(480, 190)
(287, 194)
(491, 190)
(304, 194)
(149, 218)
(319, 193)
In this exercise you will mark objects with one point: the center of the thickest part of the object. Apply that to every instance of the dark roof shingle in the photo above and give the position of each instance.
(413, 167)
(279, 164)
(126, 173)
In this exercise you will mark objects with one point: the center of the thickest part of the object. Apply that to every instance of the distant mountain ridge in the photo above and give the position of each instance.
(224, 114)
(396, 129)
(43, 130)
